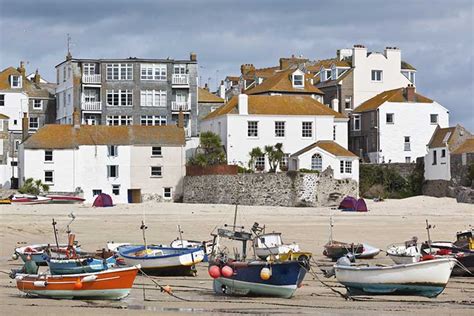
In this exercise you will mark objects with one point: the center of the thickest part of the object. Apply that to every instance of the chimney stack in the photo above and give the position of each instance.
(181, 119)
(76, 118)
(193, 56)
(335, 104)
(37, 77)
(24, 127)
(206, 87)
(243, 105)
(22, 69)
(246, 68)
(410, 93)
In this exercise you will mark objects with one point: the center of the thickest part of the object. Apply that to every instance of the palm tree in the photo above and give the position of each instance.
(275, 154)
(254, 154)
(34, 187)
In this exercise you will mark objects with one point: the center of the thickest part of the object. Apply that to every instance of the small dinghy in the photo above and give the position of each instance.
(424, 278)
(112, 284)
(270, 244)
(25, 199)
(86, 263)
(41, 252)
(368, 252)
(65, 199)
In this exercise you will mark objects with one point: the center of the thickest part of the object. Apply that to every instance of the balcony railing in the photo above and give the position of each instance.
(180, 106)
(91, 105)
(91, 78)
(407, 146)
(180, 80)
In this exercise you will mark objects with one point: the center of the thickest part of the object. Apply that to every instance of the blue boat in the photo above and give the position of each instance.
(80, 265)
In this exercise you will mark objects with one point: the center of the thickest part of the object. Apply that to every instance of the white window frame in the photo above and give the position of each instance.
(157, 151)
(280, 129)
(88, 69)
(252, 129)
(112, 151)
(406, 144)
(376, 75)
(434, 115)
(119, 98)
(34, 105)
(48, 156)
(30, 125)
(260, 163)
(114, 188)
(46, 177)
(156, 172)
(2, 100)
(341, 166)
(16, 81)
(153, 98)
(392, 115)
(119, 72)
(356, 122)
(153, 72)
(109, 171)
(180, 68)
(295, 80)
(348, 167)
(317, 162)
(119, 120)
(170, 193)
(334, 127)
(305, 131)
(153, 120)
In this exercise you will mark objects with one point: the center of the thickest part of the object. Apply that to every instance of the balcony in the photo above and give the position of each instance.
(91, 105)
(180, 80)
(95, 79)
(177, 106)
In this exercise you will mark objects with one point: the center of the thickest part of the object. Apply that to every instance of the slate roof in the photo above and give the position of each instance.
(32, 89)
(439, 135)
(329, 146)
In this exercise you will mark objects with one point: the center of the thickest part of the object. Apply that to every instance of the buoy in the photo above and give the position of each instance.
(227, 271)
(15, 256)
(214, 272)
(167, 289)
(427, 257)
(78, 285)
(265, 273)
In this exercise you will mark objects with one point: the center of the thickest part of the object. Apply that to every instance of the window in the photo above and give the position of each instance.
(153, 98)
(260, 163)
(407, 159)
(167, 193)
(434, 118)
(376, 75)
(48, 177)
(89, 69)
(334, 132)
(279, 129)
(443, 153)
(116, 189)
(153, 72)
(389, 118)
(15, 81)
(34, 122)
(112, 171)
(328, 74)
(317, 162)
(348, 166)
(119, 97)
(341, 166)
(298, 80)
(348, 103)
(410, 75)
(48, 155)
(152, 120)
(435, 158)
(356, 123)
(307, 129)
(15, 122)
(112, 151)
(37, 104)
(96, 192)
(156, 171)
(119, 71)
(115, 120)
(179, 69)
(406, 143)
(252, 129)
(2, 100)
(284, 162)
(156, 151)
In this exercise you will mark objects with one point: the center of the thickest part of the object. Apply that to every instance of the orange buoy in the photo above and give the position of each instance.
(78, 284)
(265, 273)
(227, 271)
(214, 272)
(167, 289)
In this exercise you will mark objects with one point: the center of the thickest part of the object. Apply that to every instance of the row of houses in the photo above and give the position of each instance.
(127, 126)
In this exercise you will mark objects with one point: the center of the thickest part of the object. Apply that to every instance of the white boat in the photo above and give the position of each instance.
(40, 253)
(424, 278)
(403, 254)
(271, 245)
(368, 253)
(192, 244)
(27, 199)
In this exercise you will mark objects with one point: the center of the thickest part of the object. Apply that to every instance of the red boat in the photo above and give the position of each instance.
(112, 284)
(27, 199)
(65, 199)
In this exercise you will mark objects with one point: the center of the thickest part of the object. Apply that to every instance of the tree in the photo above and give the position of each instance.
(34, 187)
(275, 154)
(254, 154)
(209, 152)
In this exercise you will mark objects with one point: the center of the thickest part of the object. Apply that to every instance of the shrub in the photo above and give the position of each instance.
(34, 187)
(303, 170)
(209, 152)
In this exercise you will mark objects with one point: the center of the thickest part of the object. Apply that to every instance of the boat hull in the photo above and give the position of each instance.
(286, 277)
(426, 278)
(468, 262)
(111, 284)
(38, 254)
(337, 250)
(82, 265)
(65, 199)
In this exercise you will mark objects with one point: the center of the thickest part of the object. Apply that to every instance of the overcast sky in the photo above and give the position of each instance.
(434, 36)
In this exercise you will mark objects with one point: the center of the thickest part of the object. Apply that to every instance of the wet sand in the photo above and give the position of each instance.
(387, 222)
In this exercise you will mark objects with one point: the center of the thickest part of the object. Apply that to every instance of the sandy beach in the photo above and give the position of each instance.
(391, 221)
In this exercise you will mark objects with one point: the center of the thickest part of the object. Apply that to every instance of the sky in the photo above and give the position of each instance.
(437, 37)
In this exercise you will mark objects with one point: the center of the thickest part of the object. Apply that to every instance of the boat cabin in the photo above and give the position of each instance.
(268, 240)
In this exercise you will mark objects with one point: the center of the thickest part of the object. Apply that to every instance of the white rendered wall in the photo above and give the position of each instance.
(16, 103)
(410, 119)
(64, 109)
(442, 169)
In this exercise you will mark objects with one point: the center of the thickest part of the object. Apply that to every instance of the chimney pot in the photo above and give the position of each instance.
(410, 93)
(37, 77)
(193, 56)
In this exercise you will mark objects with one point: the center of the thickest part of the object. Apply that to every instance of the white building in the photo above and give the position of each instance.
(440, 147)
(297, 122)
(395, 125)
(127, 162)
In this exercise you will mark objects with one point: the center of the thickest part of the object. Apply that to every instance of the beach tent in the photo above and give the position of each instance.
(351, 204)
(103, 200)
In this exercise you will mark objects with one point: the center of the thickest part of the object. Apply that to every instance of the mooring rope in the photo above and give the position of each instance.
(315, 276)
(163, 289)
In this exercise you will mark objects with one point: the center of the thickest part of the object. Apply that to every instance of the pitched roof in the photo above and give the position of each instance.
(277, 105)
(466, 147)
(205, 96)
(281, 82)
(441, 137)
(4, 117)
(395, 95)
(405, 65)
(56, 136)
(42, 90)
(329, 146)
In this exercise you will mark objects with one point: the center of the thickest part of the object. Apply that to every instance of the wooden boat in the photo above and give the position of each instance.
(271, 244)
(110, 284)
(368, 252)
(29, 199)
(41, 252)
(424, 278)
(85, 264)
(336, 249)
(65, 199)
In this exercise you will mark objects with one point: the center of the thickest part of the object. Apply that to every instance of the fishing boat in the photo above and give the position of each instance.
(424, 278)
(159, 260)
(409, 252)
(39, 253)
(368, 252)
(112, 284)
(65, 199)
(86, 263)
(255, 277)
(270, 244)
(26, 199)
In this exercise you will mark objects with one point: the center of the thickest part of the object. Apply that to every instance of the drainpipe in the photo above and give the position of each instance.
(378, 136)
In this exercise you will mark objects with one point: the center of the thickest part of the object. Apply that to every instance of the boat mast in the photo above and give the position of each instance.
(235, 216)
(55, 234)
(143, 227)
(330, 229)
(180, 235)
(428, 226)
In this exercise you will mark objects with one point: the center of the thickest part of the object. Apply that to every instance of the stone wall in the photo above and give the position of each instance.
(274, 189)
(460, 168)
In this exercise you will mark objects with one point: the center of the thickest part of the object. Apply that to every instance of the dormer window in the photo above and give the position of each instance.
(298, 81)
(15, 81)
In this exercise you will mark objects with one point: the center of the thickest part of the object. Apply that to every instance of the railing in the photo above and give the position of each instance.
(91, 78)
(180, 106)
(407, 146)
(91, 105)
(180, 79)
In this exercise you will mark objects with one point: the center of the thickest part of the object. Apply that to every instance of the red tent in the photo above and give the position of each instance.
(103, 200)
(350, 204)
(361, 206)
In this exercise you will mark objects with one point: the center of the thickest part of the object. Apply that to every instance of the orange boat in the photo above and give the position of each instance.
(112, 284)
